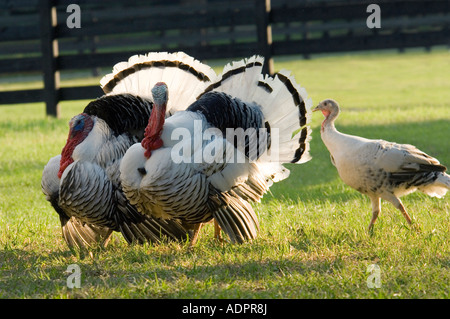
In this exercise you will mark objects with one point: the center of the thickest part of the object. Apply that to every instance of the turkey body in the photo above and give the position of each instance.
(85, 188)
(83, 183)
(189, 188)
(204, 168)
(381, 169)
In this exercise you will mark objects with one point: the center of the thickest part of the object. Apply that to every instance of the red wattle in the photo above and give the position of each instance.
(63, 166)
(153, 131)
(150, 144)
(66, 155)
(326, 113)
(75, 137)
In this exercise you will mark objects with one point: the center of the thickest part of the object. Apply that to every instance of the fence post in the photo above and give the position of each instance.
(49, 48)
(264, 28)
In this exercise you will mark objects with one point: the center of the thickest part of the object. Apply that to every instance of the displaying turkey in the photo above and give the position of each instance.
(224, 151)
(381, 169)
(83, 183)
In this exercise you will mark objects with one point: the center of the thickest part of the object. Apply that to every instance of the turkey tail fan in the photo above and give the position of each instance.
(236, 217)
(280, 98)
(239, 78)
(185, 77)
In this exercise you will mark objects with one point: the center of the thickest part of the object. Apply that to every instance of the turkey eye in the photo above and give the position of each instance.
(78, 125)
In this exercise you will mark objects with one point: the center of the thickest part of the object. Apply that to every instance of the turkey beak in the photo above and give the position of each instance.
(317, 108)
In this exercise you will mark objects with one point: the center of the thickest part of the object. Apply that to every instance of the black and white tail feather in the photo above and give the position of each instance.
(284, 104)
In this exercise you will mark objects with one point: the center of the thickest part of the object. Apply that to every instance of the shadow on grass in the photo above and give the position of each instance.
(210, 270)
(26, 274)
(153, 274)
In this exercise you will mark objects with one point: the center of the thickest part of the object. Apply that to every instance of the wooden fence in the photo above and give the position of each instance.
(35, 36)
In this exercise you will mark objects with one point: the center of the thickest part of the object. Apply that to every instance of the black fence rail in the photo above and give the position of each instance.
(37, 36)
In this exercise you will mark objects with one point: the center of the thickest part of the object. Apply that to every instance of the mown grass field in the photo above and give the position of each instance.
(313, 241)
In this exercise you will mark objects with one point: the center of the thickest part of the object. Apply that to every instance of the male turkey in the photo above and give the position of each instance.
(83, 184)
(381, 169)
(197, 165)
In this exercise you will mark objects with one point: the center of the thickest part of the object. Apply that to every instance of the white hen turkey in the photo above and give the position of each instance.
(193, 166)
(83, 184)
(381, 169)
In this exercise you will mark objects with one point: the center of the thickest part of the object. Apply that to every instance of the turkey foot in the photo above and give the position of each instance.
(195, 231)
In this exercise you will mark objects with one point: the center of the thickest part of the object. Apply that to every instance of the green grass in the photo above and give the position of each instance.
(313, 241)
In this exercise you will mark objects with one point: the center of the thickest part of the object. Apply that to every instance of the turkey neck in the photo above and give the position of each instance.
(328, 123)
(156, 121)
(331, 137)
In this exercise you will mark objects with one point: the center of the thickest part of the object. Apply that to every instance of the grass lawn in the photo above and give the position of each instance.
(313, 241)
